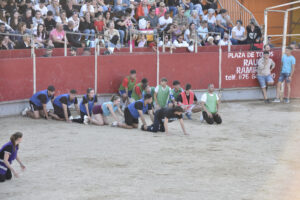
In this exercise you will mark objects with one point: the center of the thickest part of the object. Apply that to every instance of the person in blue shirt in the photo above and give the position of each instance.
(136, 110)
(101, 112)
(61, 106)
(86, 106)
(9, 153)
(287, 70)
(38, 103)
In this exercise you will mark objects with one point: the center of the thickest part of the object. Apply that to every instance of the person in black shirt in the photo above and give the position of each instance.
(253, 33)
(61, 106)
(28, 6)
(164, 116)
(49, 22)
(72, 38)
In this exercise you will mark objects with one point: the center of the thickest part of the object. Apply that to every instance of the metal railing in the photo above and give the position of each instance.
(237, 11)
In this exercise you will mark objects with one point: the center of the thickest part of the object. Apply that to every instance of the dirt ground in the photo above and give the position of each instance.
(253, 155)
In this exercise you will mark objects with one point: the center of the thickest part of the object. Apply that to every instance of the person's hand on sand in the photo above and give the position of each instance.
(209, 115)
(23, 167)
(15, 174)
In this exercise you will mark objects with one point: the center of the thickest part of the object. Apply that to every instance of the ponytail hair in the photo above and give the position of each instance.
(114, 97)
(14, 137)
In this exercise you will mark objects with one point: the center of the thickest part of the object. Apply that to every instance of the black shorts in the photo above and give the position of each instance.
(35, 107)
(60, 112)
(129, 119)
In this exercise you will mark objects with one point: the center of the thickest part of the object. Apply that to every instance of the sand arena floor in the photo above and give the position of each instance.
(253, 155)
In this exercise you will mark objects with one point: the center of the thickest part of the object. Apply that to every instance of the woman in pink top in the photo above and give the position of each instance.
(160, 11)
(57, 36)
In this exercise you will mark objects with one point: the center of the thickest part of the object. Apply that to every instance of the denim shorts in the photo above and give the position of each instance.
(284, 77)
(264, 79)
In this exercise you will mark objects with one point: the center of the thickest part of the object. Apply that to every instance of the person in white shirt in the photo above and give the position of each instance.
(76, 21)
(180, 42)
(165, 20)
(41, 7)
(211, 20)
(225, 41)
(87, 7)
(203, 30)
(37, 19)
(238, 34)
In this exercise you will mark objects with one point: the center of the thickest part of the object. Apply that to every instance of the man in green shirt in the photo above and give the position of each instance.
(176, 89)
(210, 105)
(162, 94)
(127, 86)
(138, 90)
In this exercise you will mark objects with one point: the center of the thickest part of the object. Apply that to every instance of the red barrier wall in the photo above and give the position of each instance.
(66, 73)
(16, 77)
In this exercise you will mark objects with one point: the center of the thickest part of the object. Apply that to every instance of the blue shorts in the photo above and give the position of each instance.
(284, 77)
(264, 79)
(121, 92)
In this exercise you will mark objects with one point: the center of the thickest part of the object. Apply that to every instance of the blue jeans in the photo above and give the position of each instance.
(199, 9)
(221, 30)
(173, 9)
(264, 79)
(122, 34)
(190, 4)
(89, 31)
(284, 77)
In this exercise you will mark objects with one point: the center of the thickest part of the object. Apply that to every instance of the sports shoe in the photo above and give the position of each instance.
(24, 112)
(201, 118)
(276, 100)
(114, 124)
(188, 115)
(86, 120)
(71, 118)
(267, 101)
(286, 100)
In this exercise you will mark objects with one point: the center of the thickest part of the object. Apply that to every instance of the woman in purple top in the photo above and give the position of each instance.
(8, 153)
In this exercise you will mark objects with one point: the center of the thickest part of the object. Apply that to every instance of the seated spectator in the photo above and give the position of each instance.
(223, 22)
(152, 19)
(27, 6)
(210, 41)
(21, 30)
(41, 36)
(143, 9)
(173, 4)
(99, 23)
(253, 33)
(120, 25)
(198, 7)
(2, 30)
(6, 43)
(293, 45)
(181, 20)
(25, 43)
(160, 11)
(57, 36)
(186, 5)
(111, 37)
(76, 21)
(41, 7)
(194, 18)
(190, 33)
(166, 42)
(86, 51)
(28, 19)
(54, 7)
(73, 39)
(164, 21)
(238, 33)
(48, 52)
(73, 51)
(179, 42)
(4, 20)
(69, 8)
(106, 19)
(37, 19)
(87, 8)
(211, 20)
(174, 31)
(203, 31)
(14, 20)
(87, 26)
(62, 18)
(49, 22)
(142, 41)
(225, 41)
(121, 5)
(102, 6)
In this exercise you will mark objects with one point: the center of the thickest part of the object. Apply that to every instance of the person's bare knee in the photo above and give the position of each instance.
(270, 83)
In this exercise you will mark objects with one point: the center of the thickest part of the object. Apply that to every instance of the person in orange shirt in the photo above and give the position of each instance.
(143, 9)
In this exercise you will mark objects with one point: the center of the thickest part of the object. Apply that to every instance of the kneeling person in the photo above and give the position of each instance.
(138, 109)
(61, 106)
(210, 105)
(164, 116)
(38, 103)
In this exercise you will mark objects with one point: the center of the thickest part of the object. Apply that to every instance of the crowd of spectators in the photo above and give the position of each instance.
(178, 23)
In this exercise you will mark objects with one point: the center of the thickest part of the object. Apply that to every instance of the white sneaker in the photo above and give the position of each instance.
(114, 124)
(24, 112)
(86, 120)
(71, 118)
(276, 100)
(201, 118)
(77, 117)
